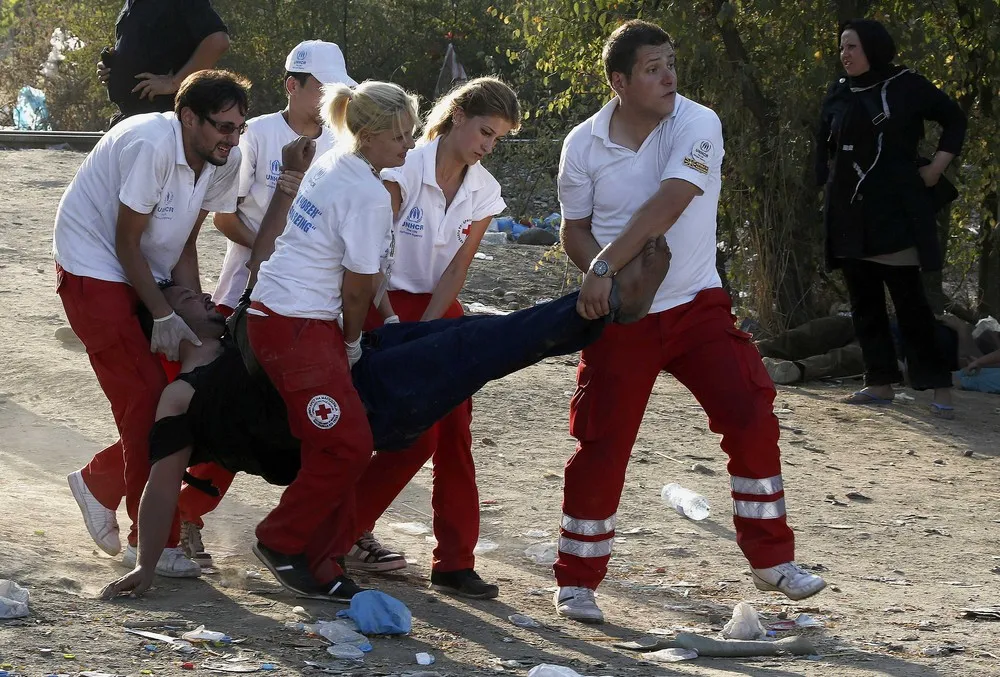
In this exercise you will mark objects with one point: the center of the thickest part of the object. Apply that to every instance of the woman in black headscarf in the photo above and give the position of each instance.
(881, 199)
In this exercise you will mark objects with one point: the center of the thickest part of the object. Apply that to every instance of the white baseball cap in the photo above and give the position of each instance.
(323, 60)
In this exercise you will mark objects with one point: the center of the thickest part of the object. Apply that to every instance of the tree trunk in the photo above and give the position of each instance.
(989, 260)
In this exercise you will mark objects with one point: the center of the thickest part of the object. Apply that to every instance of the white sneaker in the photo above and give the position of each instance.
(789, 579)
(101, 522)
(578, 604)
(173, 563)
(782, 372)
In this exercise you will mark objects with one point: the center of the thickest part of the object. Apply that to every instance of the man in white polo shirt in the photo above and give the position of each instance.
(127, 223)
(312, 64)
(646, 164)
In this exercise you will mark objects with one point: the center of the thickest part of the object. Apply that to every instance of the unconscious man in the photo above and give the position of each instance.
(410, 376)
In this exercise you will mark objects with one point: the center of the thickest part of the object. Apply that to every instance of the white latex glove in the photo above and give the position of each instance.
(168, 332)
(353, 349)
(392, 319)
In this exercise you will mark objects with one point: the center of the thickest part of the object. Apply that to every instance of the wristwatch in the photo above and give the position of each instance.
(600, 268)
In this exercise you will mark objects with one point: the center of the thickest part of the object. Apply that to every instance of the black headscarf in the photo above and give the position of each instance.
(879, 48)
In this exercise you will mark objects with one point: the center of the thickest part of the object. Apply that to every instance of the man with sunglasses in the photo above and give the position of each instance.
(127, 224)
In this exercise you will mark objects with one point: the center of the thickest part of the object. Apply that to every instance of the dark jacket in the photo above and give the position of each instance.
(876, 202)
(159, 37)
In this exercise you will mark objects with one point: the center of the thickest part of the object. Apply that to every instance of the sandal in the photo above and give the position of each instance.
(943, 411)
(862, 397)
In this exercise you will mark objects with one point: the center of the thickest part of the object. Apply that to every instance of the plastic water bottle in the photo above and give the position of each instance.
(688, 503)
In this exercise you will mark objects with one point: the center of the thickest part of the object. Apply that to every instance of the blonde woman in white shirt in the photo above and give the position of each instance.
(443, 200)
(324, 268)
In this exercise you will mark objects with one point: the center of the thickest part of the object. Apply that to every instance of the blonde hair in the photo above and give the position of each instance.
(371, 107)
(481, 96)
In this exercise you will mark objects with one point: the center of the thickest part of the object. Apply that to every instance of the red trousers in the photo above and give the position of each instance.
(103, 316)
(306, 362)
(699, 345)
(454, 496)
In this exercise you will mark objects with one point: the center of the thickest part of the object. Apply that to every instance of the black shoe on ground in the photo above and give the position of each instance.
(340, 589)
(292, 571)
(464, 583)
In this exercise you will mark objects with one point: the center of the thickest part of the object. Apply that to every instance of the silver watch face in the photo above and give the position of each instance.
(600, 268)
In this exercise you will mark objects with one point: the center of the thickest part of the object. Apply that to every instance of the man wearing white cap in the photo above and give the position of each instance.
(308, 67)
(312, 64)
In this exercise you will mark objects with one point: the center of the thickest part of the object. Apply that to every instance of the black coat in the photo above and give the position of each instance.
(888, 209)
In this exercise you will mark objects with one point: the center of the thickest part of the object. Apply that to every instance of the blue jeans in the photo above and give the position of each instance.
(412, 374)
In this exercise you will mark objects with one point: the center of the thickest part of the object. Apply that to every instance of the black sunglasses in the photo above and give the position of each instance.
(227, 128)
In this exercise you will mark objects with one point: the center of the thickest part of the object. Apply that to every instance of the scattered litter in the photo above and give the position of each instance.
(671, 655)
(542, 553)
(946, 650)
(411, 528)
(991, 613)
(345, 651)
(887, 581)
(840, 527)
(200, 634)
(301, 612)
(91, 673)
(904, 397)
(734, 648)
(857, 496)
(377, 613)
(483, 547)
(833, 500)
(339, 632)
(702, 468)
(13, 600)
(424, 658)
(802, 621)
(523, 621)
(536, 533)
(745, 624)
(937, 532)
(482, 257)
(549, 670)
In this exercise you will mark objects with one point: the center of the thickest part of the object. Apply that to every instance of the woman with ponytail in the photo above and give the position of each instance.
(443, 200)
(304, 324)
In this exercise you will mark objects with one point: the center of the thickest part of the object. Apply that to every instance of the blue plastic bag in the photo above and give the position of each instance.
(30, 111)
(377, 613)
(505, 224)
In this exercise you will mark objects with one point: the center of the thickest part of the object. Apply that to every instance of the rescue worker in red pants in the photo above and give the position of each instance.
(646, 164)
(325, 267)
(443, 201)
(128, 222)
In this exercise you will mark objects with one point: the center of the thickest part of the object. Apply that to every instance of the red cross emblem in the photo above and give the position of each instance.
(323, 411)
(464, 230)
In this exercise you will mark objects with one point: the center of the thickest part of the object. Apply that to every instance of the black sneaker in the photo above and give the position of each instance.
(292, 571)
(464, 583)
(340, 589)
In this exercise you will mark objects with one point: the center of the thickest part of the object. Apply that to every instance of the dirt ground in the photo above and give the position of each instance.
(896, 508)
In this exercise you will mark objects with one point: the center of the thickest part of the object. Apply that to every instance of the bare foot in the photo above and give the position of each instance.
(635, 286)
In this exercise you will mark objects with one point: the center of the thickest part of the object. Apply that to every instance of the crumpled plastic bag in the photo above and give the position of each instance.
(745, 624)
(13, 600)
(377, 613)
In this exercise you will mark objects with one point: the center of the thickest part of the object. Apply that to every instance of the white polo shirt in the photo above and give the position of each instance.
(140, 163)
(600, 179)
(427, 235)
(341, 220)
(261, 148)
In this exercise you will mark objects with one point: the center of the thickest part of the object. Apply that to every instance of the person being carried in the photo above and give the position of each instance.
(217, 412)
